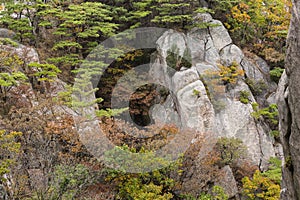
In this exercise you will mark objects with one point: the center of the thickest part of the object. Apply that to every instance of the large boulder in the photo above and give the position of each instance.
(195, 108)
(289, 110)
(219, 35)
(191, 97)
(6, 33)
(230, 54)
(228, 182)
(235, 120)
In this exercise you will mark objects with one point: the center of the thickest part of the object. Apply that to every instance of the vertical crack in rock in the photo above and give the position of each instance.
(290, 110)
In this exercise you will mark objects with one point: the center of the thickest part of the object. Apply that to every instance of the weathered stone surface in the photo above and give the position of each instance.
(236, 121)
(204, 67)
(169, 40)
(219, 35)
(196, 111)
(183, 78)
(27, 54)
(165, 113)
(230, 54)
(289, 110)
(211, 52)
(251, 70)
(202, 47)
(227, 181)
(208, 49)
(6, 33)
(204, 17)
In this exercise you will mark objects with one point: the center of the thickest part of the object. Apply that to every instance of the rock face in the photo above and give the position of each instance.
(289, 110)
(196, 102)
(192, 90)
(228, 182)
(5, 33)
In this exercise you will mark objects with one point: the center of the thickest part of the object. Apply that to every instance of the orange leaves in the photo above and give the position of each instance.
(63, 130)
(260, 22)
(239, 12)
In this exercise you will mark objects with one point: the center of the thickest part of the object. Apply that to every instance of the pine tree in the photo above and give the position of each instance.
(178, 14)
(15, 16)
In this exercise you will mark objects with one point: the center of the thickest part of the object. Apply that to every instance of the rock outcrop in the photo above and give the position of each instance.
(192, 89)
(228, 182)
(289, 110)
(195, 103)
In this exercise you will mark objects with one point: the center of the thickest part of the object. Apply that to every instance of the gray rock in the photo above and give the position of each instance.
(203, 68)
(165, 113)
(219, 35)
(196, 111)
(183, 78)
(227, 182)
(236, 121)
(289, 110)
(263, 65)
(197, 42)
(27, 54)
(211, 54)
(160, 72)
(251, 70)
(230, 54)
(6, 33)
(169, 40)
(204, 17)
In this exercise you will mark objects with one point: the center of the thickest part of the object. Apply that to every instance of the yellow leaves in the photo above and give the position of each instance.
(261, 187)
(226, 74)
(259, 21)
(7, 141)
(239, 12)
(8, 150)
(132, 55)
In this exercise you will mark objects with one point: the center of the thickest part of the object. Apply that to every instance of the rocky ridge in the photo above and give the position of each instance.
(210, 48)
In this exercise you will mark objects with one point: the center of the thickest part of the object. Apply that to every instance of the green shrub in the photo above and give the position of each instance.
(264, 185)
(244, 96)
(230, 149)
(218, 193)
(256, 87)
(8, 41)
(148, 185)
(66, 182)
(274, 171)
(196, 92)
(175, 61)
(270, 113)
(9, 150)
(275, 134)
(288, 163)
(276, 73)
